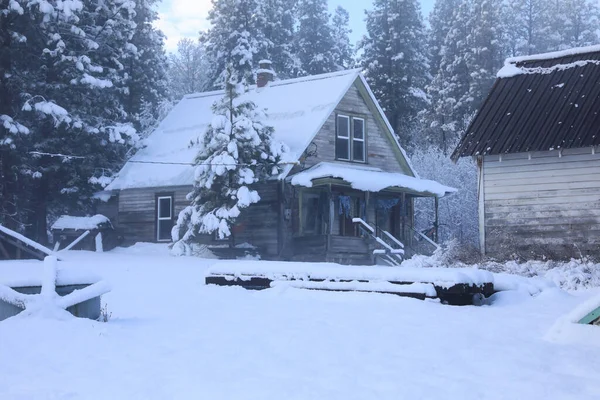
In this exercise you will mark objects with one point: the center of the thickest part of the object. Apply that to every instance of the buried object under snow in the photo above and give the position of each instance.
(452, 286)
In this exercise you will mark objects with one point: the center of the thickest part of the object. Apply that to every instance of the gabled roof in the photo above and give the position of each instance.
(542, 102)
(296, 108)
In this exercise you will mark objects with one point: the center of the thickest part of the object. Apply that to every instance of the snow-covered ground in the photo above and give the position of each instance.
(172, 337)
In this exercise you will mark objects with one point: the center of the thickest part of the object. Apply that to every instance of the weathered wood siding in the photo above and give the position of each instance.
(136, 219)
(379, 146)
(542, 204)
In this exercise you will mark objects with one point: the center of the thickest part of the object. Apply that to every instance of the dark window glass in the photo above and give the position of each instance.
(359, 129)
(358, 151)
(164, 229)
(164, 207)
(342, 138)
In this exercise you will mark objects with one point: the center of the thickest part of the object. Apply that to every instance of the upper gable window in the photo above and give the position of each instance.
(350, 138)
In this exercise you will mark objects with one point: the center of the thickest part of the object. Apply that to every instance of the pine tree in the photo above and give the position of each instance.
(314, 41)
(145, 68)
(580, 23)
(278, 17)
(440, 21)
(63, 120)
(340, 29)
(527, 26)
(237, 151)
(236, 37)
(395, 61)
(188, 69)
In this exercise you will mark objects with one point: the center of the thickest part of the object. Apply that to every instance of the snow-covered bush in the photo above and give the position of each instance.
(237, 151)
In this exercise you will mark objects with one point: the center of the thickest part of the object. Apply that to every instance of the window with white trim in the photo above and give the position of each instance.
(164, 218)
(350, 139)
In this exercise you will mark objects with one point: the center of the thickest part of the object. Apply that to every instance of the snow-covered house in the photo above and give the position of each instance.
(535, 139)
(346, 163)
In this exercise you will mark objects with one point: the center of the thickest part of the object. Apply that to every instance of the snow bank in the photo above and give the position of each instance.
(443, 277)
(369, 179)
(80, 223)
(568, 330)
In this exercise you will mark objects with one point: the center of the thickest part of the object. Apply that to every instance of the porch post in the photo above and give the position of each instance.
(436, 223)
(403, 212)
(331, 217)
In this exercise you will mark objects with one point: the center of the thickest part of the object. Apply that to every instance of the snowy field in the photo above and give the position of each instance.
(172, 337)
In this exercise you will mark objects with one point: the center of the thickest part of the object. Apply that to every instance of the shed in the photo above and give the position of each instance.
(535, 139)
(96, 233)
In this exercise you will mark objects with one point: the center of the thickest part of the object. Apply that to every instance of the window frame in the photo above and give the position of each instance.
(306, 196)
(158, 209)
(347, 138)
(351, 139)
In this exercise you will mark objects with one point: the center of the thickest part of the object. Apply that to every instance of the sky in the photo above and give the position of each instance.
(185, 18)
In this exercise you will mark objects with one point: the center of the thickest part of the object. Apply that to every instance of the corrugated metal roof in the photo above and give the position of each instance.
(539, 103)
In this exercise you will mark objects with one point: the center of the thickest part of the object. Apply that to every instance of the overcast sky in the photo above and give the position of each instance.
(185, 18)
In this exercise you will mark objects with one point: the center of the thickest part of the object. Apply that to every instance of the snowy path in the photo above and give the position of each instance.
(171, 337)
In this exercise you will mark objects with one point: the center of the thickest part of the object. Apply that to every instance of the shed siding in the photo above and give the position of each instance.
(542, 204)
(379, 146)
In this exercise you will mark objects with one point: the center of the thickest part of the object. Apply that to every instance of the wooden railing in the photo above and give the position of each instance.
(391, 251)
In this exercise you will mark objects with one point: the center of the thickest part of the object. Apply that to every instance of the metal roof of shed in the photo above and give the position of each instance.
(544, 102)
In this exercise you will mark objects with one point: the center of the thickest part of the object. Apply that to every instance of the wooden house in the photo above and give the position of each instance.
(347, 194)
(535, 139)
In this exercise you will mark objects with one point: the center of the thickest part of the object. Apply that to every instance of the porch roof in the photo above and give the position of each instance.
(369, 179)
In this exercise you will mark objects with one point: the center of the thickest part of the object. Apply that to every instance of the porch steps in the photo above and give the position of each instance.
(391, 251)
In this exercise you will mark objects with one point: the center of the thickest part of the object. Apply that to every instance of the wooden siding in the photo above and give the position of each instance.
(379, 147)
(542, 204)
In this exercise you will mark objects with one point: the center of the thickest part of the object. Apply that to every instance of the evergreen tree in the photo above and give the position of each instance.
(580, 26)
(188, 69)
(145, 68)
(278, 17)
(61, 91)
(395, 62)
(314, 41)
(440, 21)
(527, 25)
(344, 53)
(236, 37)
(237, 152)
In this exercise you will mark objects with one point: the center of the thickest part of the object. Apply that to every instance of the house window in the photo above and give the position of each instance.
(342, 138)
(350, 139)
(164, 218)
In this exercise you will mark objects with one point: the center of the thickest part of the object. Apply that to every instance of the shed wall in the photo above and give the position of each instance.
(542, 204)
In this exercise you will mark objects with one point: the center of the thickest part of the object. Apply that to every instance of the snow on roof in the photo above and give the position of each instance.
(296, 108)
(80, 223)
(554, 54)
(369, 179)
(511, 68)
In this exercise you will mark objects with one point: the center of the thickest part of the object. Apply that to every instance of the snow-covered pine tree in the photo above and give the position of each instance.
(340, 30)
(278, 19)
(63, 118)
(395, 61)
(486, 52)
(145, 68)
(440, 22)
(527, 27)
(580, 27)
(314, 40)
(188, 69)
(236, 37)
(237, 151)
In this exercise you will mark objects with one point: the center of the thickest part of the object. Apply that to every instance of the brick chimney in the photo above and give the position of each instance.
(265, 74)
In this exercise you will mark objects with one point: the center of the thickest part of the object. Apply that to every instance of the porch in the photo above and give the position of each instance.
(340, 221)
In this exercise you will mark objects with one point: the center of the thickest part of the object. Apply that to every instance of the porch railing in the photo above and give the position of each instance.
(391, 251)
